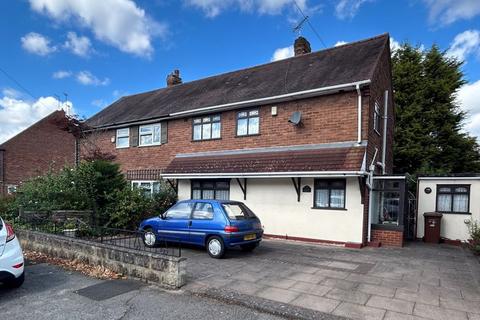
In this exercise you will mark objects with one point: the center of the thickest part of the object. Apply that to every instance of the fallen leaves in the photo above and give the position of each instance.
(100, 272)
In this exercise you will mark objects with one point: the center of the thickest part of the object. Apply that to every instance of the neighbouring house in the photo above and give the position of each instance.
(47, 144)
(456, 197)
(306, 142)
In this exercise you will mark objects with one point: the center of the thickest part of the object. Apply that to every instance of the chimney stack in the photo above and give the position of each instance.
(174, 78)
(301, 46)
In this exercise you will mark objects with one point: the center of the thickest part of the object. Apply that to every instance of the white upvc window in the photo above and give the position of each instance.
(123, 138)
(11, 189)
(149, 135)
(148, 187)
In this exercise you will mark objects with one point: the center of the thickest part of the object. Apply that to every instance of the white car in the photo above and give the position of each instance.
(11, 257)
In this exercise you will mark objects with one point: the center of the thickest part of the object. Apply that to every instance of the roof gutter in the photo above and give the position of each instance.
(247, 103)
(311, 174)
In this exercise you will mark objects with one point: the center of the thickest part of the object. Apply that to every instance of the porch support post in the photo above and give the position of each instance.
(297, 184)
(243, 187)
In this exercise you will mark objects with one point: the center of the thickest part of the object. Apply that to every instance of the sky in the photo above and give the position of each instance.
(83, 55)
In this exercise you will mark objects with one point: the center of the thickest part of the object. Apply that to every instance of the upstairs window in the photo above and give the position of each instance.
(453, 198)
(207, 128)
(149, 135)
(248, 123)
(377, 118)
(329, 194)
(123, 138)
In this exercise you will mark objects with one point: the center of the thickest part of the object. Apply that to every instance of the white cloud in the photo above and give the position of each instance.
(347, 9)
(79, 45)
(99, 103)
(449, 11)
(469, 98)
(61, 74)
(37, 44)
(17, 114)
(87, 78)
(394, 44)
(213, 8)
(464, 44)
(283, 53)
(120, 23)
(340, 43)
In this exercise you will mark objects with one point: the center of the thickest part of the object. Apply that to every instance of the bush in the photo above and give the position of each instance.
(128, 207)
(8, 208)
(474, 230)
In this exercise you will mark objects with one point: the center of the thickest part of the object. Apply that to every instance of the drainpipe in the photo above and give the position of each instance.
(371, 170)
(385, 123)
(359, 107)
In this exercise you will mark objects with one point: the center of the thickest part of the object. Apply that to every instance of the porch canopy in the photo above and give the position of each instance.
(340, 159)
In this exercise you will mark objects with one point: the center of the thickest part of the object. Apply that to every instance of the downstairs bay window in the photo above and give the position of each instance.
(148, 188)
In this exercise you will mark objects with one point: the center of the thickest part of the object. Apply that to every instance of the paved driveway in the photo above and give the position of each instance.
(418, 281)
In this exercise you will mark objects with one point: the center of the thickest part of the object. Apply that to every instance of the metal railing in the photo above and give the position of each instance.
(122, 238)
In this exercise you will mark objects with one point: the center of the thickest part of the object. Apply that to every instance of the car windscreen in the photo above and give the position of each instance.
(237, 211)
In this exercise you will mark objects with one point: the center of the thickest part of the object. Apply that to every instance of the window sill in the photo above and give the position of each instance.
(449, 212)
(205, 140)
(122, 147)
(247, 135)
(392, 227)
(335, 209)
(150, 145)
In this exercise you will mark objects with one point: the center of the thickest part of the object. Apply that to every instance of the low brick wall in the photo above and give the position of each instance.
(388, 238)
(166, 271)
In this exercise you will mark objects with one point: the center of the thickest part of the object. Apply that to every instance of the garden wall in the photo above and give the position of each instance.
(166, 271)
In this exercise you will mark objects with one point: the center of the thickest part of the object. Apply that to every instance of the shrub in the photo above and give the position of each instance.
(474, 230)
(8, 208)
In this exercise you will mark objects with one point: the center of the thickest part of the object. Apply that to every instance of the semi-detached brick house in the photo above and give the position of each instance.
(298, 140)
(47, 144)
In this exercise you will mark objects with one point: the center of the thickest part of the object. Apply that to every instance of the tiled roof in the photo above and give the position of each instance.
(345, 64)
(332, 159)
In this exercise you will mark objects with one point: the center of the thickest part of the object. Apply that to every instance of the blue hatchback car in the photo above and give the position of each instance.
(214, 224)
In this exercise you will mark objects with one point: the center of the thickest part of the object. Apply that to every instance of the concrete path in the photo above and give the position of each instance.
(419, 281)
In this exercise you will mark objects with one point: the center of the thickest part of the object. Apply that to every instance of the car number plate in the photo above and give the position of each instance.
(250, 237)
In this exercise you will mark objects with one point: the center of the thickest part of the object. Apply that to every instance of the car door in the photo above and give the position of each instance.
(202, 222)
(175, 224)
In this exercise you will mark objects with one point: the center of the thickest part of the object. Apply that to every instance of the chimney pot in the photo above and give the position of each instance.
(301, 46)
(174, 78)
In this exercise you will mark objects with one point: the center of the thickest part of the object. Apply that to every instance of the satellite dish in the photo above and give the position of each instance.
(295, 118)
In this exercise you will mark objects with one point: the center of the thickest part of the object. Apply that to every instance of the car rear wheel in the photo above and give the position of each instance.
(215, 247)
(149, 238)
(249, 247)
(15, 282)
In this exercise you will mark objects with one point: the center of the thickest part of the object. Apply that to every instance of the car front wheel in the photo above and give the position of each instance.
(149, 238)
(215, 247)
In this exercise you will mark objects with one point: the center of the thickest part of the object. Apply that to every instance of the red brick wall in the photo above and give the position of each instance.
(325, 119)
(388, 238)
(42, 146)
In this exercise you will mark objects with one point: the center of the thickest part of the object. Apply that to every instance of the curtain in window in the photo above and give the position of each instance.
(337, 198)
(197, 194)
(460, 203)
(222, 195)
(321, 198)
(444, 202)
(208, 194)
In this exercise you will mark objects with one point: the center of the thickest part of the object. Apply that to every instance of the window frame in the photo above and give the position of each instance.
(202, 123)
(12, 189)
(377, 118)
(248, 117)
(193, 205)
(215, 188)
(153, 125)
(330, 182)
(152, 191)
(452, 193)
(117, 136)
